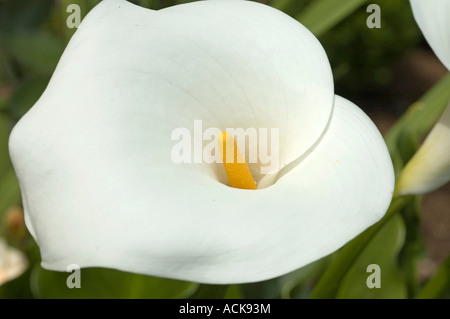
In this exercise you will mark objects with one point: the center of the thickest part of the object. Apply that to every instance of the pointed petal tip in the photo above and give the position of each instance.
(429, 168)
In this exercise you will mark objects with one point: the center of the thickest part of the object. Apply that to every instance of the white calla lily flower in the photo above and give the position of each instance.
(13, 262)
(93, 156)
(429, 168)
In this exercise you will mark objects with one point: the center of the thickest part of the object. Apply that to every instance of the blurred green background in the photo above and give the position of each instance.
(382, 70)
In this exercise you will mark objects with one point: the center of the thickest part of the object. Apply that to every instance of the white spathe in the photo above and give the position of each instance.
(93, 155)
(433, 18)
(13, 262)
(429, 168)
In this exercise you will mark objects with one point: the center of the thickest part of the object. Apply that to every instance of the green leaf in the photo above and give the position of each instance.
(282, 5)
(322, 15)
(382, 251)
(422, 116)
(26, 95)
(290, 7)
(210, 292)
(36, 52)
(24, 14)
(416, 122)
(361, 57)
(107, 283)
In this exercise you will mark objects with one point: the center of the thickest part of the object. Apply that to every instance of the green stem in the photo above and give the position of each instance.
(322, 15)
